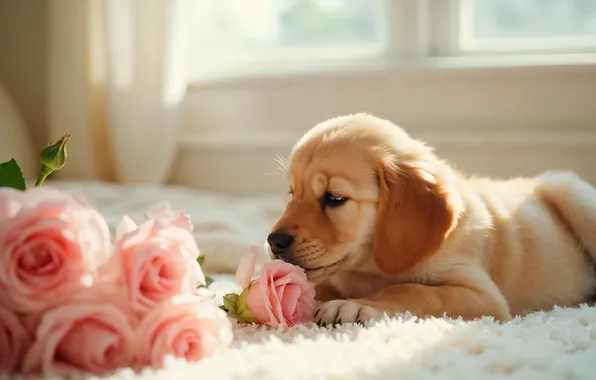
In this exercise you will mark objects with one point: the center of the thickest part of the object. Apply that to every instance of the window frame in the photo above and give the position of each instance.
(290, 60)
(446, 17)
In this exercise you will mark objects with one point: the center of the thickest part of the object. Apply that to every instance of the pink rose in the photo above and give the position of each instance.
(185, 327)
(91, 332)
(49, 242)
(155, 261)
(14, 341)
(280, 295)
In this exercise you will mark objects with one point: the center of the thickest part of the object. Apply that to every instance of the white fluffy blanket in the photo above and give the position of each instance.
(559, 344)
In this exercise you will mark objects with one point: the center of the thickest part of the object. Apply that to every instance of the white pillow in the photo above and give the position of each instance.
(15, 141)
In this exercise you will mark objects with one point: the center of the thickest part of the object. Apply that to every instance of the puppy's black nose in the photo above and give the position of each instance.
(280, 242)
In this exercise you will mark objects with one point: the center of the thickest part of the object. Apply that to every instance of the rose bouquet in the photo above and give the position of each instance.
(74, 300)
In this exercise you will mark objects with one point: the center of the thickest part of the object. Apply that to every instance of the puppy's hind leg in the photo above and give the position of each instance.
(575, 200)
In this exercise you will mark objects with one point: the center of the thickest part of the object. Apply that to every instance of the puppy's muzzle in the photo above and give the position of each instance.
(281, 243)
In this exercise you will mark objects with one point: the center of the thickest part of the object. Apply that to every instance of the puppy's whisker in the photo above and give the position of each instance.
(281, 163)
(266, 174)
(279, 159)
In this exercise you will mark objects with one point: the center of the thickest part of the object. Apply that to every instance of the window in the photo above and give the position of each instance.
(277, 35)
(527, 24)
(268, 25)
(240, 33)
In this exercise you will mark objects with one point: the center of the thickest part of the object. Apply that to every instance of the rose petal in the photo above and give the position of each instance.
(47, 260)
(50, 243)
(166, 216)
(153, 274)
(162, 209)
(274, 300)
(125, 226)
(281, 295)
(289, 302)
(193, 277)
(14, 341)
(259, 303)
(100, 340)
(185, 327)
(188, 244)
(246, 268)
(91, 332)
(155, 263)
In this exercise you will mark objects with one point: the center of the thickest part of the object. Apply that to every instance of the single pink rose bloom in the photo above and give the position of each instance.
(154, 262)
(92, 332)
(246, 268)
(50, 242)
(185, 327)
(281, 295)
(14, 341)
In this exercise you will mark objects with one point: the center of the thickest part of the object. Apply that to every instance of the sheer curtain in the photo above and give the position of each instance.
(116, 83)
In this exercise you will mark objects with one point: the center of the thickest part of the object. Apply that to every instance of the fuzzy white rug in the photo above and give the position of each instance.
(560, 344)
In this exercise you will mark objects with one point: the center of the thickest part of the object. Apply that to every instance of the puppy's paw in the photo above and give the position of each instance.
(344, 311)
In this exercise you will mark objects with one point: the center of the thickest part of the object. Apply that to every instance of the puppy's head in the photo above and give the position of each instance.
(360, 186)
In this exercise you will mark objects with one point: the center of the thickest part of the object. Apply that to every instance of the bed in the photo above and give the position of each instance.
(224, 226)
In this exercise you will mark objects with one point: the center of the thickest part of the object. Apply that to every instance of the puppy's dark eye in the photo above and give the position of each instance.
(330, 200)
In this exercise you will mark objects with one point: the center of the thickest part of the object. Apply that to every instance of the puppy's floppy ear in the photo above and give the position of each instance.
(415, 215)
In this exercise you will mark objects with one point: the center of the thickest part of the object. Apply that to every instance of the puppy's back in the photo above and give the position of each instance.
(533, 253)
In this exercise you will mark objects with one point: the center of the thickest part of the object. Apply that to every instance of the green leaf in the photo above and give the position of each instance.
(11, 175)
(242, 311)
(201, 260)
(208, 281)
(241, 303)
(229, 301)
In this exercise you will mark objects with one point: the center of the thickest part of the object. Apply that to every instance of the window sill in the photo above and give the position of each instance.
(362, 63)
(245, 164)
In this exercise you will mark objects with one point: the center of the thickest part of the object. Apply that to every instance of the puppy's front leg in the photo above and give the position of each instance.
(420, 300)
(326, 292)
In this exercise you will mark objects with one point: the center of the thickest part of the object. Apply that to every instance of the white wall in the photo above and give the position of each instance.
(503, 121)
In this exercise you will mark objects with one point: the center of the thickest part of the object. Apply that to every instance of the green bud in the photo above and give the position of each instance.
(52, 158)
(54, 155)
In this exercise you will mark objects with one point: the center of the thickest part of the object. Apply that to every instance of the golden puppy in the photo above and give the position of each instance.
(382, 225)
